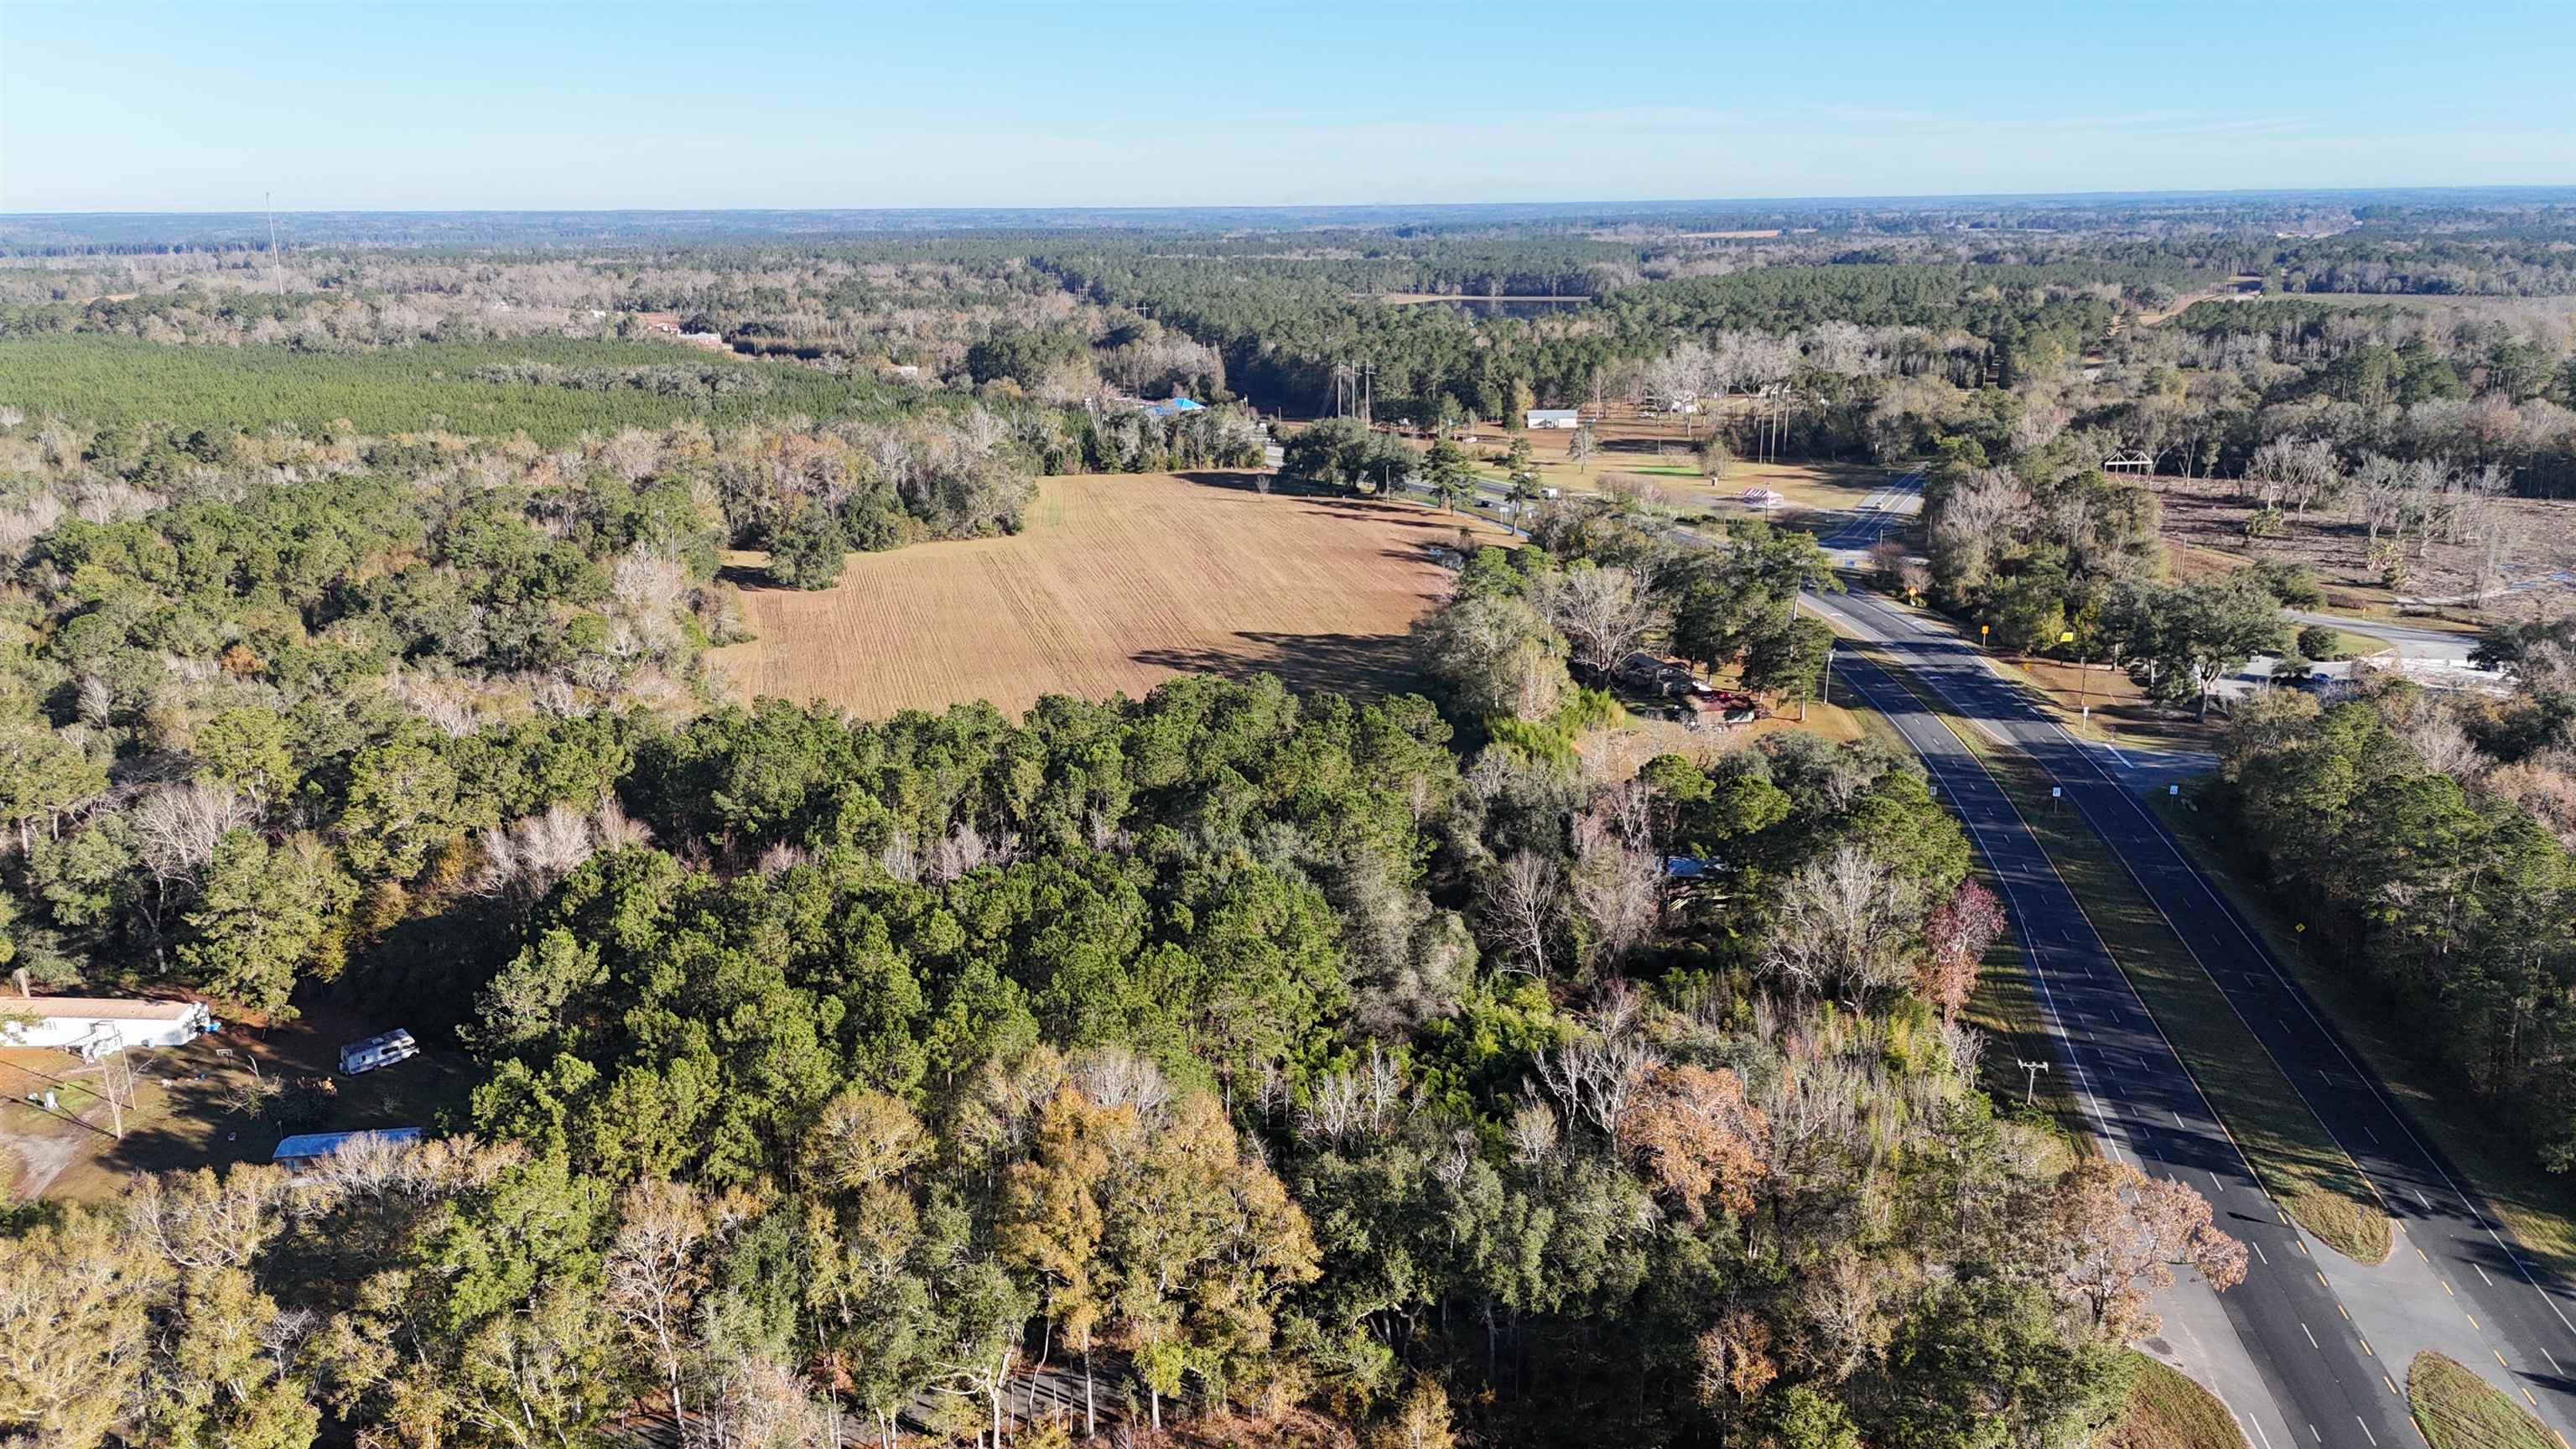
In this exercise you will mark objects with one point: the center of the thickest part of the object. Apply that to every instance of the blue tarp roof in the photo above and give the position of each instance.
(1175, 407)
(323, 1144)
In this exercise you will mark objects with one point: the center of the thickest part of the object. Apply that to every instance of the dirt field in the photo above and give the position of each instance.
(2204, 523)
(1119, 582)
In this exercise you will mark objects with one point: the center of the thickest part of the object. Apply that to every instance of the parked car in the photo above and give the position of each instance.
(377, 1051)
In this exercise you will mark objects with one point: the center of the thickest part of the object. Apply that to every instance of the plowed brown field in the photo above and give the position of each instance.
(1118, 582)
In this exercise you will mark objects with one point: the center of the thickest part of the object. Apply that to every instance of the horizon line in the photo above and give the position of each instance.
(1818, 199)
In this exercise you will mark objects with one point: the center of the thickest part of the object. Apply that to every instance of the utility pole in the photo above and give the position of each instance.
(2030, 1078)
(276, 273)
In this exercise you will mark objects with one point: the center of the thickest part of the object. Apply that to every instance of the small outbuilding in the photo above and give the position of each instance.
(1552, 419)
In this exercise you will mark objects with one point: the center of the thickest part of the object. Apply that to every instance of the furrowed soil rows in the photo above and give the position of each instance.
(1117, 583)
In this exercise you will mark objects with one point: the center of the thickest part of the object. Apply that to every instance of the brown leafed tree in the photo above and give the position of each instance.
(1697, 1138)
(2109, 1234)
(1956, 936)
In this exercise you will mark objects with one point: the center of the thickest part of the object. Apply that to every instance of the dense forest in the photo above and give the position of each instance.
(1228, 1063)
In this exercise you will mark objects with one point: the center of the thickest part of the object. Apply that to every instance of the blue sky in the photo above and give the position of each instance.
(131, 107)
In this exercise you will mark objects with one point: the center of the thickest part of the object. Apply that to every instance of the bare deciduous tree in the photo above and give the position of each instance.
(1521, 899)
(179, 826)
(1842, 924)
(1603, 612)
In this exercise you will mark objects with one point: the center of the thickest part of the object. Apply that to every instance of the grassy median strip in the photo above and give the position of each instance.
(2456, 1409)
(2006, 1007)
(2167, 1410)
(2537, 1205)
(2309, 1172)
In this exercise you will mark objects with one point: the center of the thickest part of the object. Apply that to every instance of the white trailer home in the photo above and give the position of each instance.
(1561, 419)
(94, 1024)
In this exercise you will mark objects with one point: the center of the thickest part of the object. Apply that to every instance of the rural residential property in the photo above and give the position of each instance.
(1060, 727)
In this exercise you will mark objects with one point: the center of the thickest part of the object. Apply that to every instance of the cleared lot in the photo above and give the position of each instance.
(1118, 582)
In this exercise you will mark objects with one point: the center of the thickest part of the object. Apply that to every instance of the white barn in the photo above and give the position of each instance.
(1552, 418)
(90, 1024)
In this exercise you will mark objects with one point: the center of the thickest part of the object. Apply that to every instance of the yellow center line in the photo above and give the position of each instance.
(2500, 1363)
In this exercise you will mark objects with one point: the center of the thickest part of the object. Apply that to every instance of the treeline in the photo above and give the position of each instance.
(2401, 254)
(2461, 388)
(2013, 309)
(1217, 1054)
(2445, 875)
(490, 390)
(1287, 342)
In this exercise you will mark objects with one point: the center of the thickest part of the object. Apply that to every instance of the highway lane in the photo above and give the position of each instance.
(2321, 1374)
(2323, 1385)
(2482, 1300)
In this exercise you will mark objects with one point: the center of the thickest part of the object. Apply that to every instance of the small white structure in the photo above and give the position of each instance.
(1552, 419)
(2138, 464)
(305, 1148)
(1762, 498)
(94, 1024)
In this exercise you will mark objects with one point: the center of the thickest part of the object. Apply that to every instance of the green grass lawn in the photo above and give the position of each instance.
(2456, 1409)
(2349, 645)
(2298, 1159)
(2169, 1411)
(2538, 1205)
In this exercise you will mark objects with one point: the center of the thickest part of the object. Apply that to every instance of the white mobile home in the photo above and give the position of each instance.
(1558, 418)
(93, 1024)
(307, 1148)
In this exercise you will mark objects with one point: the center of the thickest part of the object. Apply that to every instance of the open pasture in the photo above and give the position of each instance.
(1118, 582)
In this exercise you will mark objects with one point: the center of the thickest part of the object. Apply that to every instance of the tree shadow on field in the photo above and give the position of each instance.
(753, 577)
(1343, 663)
(1242, 482)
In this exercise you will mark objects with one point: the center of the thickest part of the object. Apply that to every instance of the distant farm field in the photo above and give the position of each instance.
(1117, 583)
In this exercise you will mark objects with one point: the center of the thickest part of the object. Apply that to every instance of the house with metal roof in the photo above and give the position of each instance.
(92, 1025)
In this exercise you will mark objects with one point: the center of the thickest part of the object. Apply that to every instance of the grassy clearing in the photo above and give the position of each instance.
(2349, 645)
(1118, 583)
(2538, 1206)
(2311, 1175)
(2456, 1409)
(2169, 1411)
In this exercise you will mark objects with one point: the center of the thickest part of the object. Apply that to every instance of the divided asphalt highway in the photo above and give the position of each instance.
(2326, 1341)
(2318, 1383)
(2455, 1281)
